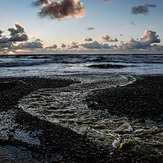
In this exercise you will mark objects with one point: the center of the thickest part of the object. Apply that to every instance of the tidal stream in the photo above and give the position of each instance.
(67, 107)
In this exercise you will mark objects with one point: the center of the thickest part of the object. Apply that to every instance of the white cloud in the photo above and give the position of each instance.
(95, 45)
(73, 45)
(133, 44)
(150, 37)
(108, 38)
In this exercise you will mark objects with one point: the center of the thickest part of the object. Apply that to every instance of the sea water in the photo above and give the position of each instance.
(40, 65)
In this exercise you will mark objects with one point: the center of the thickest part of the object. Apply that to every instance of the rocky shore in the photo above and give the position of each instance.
(141, 100)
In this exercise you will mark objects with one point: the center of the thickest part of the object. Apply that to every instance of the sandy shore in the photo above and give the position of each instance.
(141, 100)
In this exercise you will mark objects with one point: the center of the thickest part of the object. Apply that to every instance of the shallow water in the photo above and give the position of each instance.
(67, 107)
(10, 129)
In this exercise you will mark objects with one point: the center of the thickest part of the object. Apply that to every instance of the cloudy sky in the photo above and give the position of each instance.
(81, 26)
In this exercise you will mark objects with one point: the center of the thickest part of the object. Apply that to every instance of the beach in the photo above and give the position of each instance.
(141, 101)
(81, 86)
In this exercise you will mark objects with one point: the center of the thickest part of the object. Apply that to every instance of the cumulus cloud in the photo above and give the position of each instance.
(133, 44)
(18, 29)
(150, 37)
(87, 39)
(157, 48)
(6, 47)
(95, 45)
(2, 38)
(17, 33)
(30, 45)
(142, 9)
(73, 45)
(63, 46)
(52, 47)
(62, 9)
(108, 38)
(19, 37)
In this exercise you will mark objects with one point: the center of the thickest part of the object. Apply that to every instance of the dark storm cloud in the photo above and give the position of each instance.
(62, 9)
(142, 9)
(150, 37)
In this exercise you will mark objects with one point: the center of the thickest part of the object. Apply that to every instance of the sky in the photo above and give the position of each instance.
(81, 26)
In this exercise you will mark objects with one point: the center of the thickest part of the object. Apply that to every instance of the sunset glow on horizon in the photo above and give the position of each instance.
(79, 26)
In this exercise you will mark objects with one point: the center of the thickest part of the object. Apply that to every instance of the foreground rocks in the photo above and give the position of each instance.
(58, 144)
(140, 100)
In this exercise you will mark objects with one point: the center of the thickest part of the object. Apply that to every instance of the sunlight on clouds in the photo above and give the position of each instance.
(62, 9)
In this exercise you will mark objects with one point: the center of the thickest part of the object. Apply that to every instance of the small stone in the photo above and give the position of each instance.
(141, 120)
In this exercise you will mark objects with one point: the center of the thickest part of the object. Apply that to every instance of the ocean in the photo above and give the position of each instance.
(68, 107)
(68, 64)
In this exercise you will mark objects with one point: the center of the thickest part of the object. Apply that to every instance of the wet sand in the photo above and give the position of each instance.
(141, 100)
